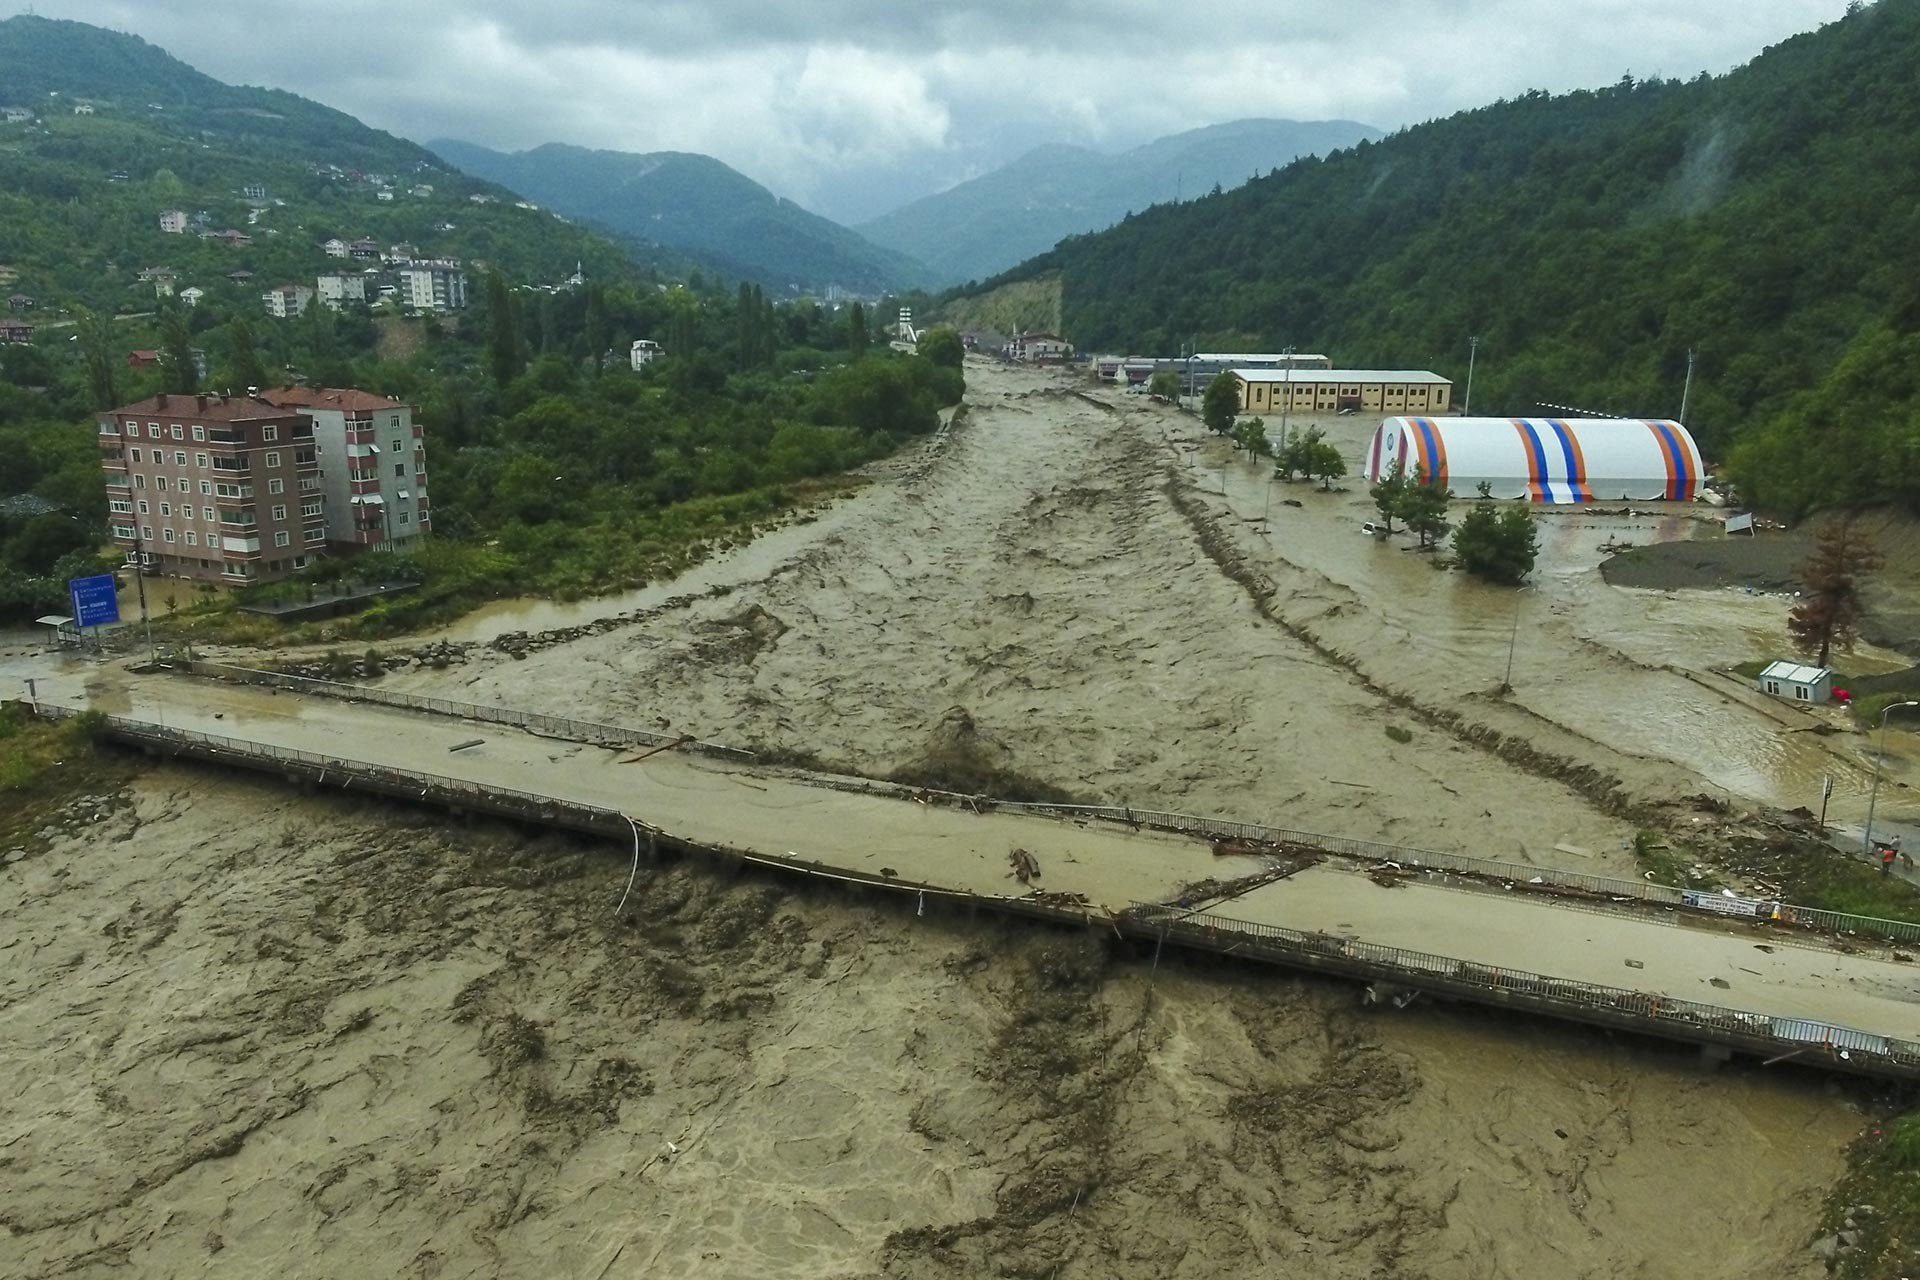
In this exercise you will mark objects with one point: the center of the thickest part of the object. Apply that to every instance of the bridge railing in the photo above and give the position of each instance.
(537, 722)
(1221, 934)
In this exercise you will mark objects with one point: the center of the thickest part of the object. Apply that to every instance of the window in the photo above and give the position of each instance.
(146, 532)
(309, 508)
(206, 488)
(393, 420)
(273, 457)
(166, 509)
(279, 513)
(276, 486)
(199, 459)
(282, 539)
(183, 484)
(315, 535)
(396, 446)
(200, 433)
(153, 431)
(139, 482)
(210, 516)
(167, 534)
(120, 505)
(400, 468)
(406, 517)
(176, 431)
(135, 454)
(143, 506)
(269, 434)
(193, 539)
(123, 531)
(160, 483)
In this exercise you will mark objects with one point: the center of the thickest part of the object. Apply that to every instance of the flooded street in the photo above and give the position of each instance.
(252, 1032)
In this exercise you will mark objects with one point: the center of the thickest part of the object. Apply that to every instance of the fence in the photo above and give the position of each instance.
(1688, 1018)
(533, 721)
(1612, 887)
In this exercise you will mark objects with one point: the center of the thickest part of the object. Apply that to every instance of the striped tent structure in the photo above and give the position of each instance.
(1550, 460)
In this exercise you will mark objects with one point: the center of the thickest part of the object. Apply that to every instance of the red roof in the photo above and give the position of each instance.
(205, 408)
(349, 399)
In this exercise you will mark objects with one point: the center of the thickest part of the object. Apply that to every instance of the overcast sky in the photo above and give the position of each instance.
(854, 106)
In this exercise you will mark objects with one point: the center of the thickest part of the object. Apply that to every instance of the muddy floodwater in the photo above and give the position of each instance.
(256, 1033)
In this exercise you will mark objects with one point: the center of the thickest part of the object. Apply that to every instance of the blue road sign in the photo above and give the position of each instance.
(94, 602)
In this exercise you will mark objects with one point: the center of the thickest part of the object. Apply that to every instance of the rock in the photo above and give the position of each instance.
(1847, 1239)
(1826, 1248)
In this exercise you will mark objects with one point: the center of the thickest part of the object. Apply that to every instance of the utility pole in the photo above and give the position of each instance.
(1513, 641)
(1686, 388)
(1473, 350)
(1873, 796)
(1286, 402)
(140, 583)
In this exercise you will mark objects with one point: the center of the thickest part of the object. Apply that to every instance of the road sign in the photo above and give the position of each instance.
(94, 602)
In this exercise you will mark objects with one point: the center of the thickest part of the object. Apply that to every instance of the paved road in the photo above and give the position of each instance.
(779, 813)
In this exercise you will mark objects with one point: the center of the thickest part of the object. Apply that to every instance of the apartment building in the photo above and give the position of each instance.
(288, 301)
(222, 488)
(174, 222)
(337, 289)
(374, 466)
(432, 286)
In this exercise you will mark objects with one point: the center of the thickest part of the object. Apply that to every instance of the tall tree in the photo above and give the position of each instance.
(1497, 543)
(244, 369)
(1424, 508)
(1828, 615)
(100, 348)
(1390, 494)
(176, 353)
(503, 336)
(595, 326)
(857, 331)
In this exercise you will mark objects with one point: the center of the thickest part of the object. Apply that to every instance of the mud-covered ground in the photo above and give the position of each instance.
(251, 1033)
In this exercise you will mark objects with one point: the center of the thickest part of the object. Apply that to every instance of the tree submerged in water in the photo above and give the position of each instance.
(1828, 615)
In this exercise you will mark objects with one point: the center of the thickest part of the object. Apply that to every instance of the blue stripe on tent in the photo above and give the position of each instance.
(1682, 464)
(1574, 478)
(1539, 461)
(1432, 451)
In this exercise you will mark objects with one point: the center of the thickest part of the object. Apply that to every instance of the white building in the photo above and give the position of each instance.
(1797, 683)
(288, 301)
(373, 464)
(432, 286)
(174, 222)
(645, 351)
(336, 290)
(334, 248)
(192, 294)
(83, 108)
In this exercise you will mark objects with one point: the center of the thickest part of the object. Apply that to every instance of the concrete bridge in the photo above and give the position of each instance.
(1767, 979)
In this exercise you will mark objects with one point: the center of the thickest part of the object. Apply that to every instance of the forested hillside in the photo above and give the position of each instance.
(1766, 218)
(699, 206)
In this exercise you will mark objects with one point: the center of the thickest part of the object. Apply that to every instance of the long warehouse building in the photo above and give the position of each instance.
(1549, 460)
(1334, 390)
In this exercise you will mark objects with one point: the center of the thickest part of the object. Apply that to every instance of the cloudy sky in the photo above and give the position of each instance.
(855, 106)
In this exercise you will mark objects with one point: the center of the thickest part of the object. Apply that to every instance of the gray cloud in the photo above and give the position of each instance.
(856, 105)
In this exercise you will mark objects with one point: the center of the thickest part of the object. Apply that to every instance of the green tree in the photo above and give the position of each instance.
(1828, 615)
(1251, 436)
(176, 354)
(1390, 494)
(1165, 385)
(244, 369)
(943, 347)
(1499, 544)
(503, 334)
(1424, 508)
(1323, 459)
(857, 331)
(1221, 404)
(594, 328)
(100, 349)
(528, 490)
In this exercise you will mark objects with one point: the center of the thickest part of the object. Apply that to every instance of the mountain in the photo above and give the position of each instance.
(994, 221)
(123, 132)
(698, 205)
(1764, 219)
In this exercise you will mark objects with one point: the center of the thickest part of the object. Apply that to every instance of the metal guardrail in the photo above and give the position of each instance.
(1811, 918)
(534, 721)
(1567, 995)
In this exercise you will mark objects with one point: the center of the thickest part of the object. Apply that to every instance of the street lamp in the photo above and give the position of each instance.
(1873, 796)
(1286, 401)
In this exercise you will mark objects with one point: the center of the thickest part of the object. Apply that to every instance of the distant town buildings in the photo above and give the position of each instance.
(254, 191)
(1331, 390)
(15, 332)
(644, 352)
(334, 248)
(83, 108)
(16, 115)
(374, 481)
(20, 302)
(174, 222)
(1039, 348)
(337, 290)
(192, 294)
(288, 301)
(231, 238)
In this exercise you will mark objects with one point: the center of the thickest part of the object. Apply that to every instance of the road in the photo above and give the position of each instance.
(781, 813)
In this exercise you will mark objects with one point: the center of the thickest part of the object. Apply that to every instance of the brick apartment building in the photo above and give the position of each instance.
(216, 487)
(375, 465)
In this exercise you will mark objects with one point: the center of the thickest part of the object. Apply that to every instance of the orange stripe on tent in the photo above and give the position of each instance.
(1533, 465)
(1440, 477)
(1666, 457)
(1579, 461)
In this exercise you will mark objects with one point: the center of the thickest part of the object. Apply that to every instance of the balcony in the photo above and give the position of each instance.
(239, 546)
(231, 467)
(119, 482)
(226, 437)
(110, 429)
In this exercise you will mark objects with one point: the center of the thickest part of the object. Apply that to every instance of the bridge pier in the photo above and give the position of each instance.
(1714, 1056)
